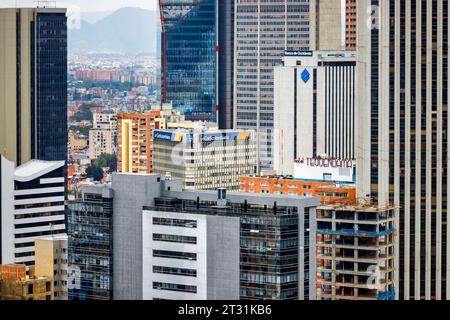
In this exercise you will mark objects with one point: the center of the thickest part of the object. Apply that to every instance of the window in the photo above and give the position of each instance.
(175, 222)
(174, 287)
(47, 286)
(175, 255)
(30, 289)
(174, 238)
(175, 271)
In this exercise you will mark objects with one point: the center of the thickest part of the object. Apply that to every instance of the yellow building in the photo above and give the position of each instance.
(16, 285)
(52, 261)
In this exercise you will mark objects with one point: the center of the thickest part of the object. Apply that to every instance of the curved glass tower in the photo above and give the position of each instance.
(189, 56)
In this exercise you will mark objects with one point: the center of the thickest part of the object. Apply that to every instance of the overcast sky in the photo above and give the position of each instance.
(87, 5)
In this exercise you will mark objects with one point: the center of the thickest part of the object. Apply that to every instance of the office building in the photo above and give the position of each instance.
(33, 85)
(402, 134)
(355, 252)
(103, 135)
(135, 137)
(90, 232)
(162, 204)
(314, 107)
(325, 191)
(32, 207)
(326, 25)
(205, 159)
(350, 25)
(16, 285)
(264, 30)
(51, 260)
(189, 57)
(188, 256)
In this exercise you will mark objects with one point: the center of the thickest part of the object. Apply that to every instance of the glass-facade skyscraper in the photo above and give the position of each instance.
(189, 57)
(90, 228)
(33, 88)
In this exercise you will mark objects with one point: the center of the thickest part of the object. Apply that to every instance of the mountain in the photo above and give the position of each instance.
(127, 30)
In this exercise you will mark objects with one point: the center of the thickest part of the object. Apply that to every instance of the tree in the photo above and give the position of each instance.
(107, 160)
(94, 172)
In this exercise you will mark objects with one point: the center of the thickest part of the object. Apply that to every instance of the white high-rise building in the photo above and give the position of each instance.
(264, 30)
(314, 102)
(32, 207)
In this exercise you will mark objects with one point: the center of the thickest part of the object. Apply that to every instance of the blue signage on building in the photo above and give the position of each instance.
(305, 75)
(163, 135)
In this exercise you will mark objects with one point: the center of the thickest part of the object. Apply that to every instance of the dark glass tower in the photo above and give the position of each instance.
(51, 85)
(189, 57)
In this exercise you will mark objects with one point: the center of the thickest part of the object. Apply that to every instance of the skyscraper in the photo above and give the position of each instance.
(189, 56)
(402, 133)
(33, 85)
(350, 25)
(264, 30)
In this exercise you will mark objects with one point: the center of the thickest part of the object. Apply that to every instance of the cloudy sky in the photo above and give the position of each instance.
(88, 5)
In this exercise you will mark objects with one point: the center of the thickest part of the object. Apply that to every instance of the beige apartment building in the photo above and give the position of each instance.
(103, 135)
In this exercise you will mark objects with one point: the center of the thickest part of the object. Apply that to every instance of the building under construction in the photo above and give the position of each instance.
(16, 285)
(355, 252)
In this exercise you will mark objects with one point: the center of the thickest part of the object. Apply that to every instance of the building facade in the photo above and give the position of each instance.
(326, 25)
(189, 256)
(90, 232)
(402, 133)
(326, 192)
(205, 159)
(350, 25)
(16, 285)
(33, 86)
(189, 57)
(51, 260)
(32, 207)
(314, 107)
(103, 135)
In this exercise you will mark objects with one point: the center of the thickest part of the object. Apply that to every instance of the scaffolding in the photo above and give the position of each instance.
(355, 252)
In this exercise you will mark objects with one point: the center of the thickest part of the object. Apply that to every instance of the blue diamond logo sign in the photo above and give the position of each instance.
(305, 76)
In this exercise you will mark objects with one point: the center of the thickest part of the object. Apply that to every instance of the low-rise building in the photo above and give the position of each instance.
(16, 285)
(326, 192)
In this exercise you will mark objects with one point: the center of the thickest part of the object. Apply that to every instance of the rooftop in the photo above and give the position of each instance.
(36, 168)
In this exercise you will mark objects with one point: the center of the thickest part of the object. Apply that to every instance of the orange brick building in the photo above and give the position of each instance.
(134, 140)
(350, 25)
(327, 192)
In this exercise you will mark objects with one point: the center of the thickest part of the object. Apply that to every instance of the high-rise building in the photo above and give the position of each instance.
(189, 56)
(90, 232)
(226, 64)
(51, 260)
(326, 25)
(33, 85)
(103, 135)
(263, 31)
(314, 103)
(205, 159)
(402, 133)
(32, 207)
(135, 137)
(350, 25)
